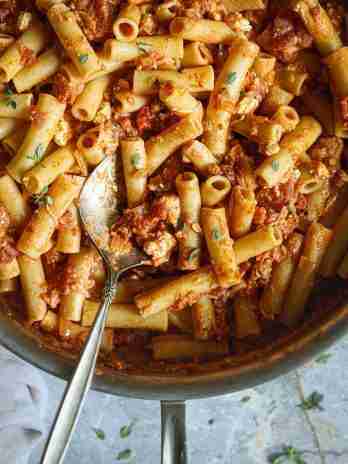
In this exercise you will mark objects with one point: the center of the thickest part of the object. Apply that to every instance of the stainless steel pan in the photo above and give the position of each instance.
(322, 328)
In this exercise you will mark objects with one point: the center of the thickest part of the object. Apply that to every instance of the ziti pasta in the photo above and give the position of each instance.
(229, 130)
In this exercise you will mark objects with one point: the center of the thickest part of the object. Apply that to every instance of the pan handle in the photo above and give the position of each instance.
(173, 414)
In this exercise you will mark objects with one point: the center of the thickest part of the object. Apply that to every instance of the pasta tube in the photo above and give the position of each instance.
(273, 169)
(287, 117)
(16, 106)
(134, 169)
(226, 94)
(337, 247)
(183, 346)
(126, 26)
(160, 147)
(178, 99)
(87, 103)
(233, 6)
(125, 316)
(166, 11)
(214, 190)
(38, 136)
(196, 80)
(33, 283)
(28, 45)
(13, 200)
(264, 64)
(291, 80)
(77, 273)
(69, 233)
(200, 156)
(267, 133)
(316, 243)
(44, 173)
(275, 98)
(319, 25)
(177, 293)
(165, 45)
(273, 295)
(196, 54)
(129, 102)
(202, 30)
(64, 22)
(242, 205)
(220, 246)
(190, 241)
(203, 317)
(44, 221)
(264, 239)
(44, 67)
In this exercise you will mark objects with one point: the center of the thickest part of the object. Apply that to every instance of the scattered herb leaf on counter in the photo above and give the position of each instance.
(288, 455)
(126, 430)
(211, 421)
(245, 399)
(323, 358)
(313, 401)
(100, 434)
(124, 455)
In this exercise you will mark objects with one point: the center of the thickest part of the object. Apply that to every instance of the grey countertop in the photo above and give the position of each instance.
(243, 428)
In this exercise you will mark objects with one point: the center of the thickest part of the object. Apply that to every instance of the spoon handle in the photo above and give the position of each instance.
(77, 388)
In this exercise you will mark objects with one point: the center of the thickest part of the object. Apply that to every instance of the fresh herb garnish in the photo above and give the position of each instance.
(126, 430)
(36, 156)
(289, 454)
(216, 234)
(135, 160)
(42, 199)
(124, 455)
(313, 401)
(275, 165)
(11, 103)
(231, 77)
(323, 358)
(193, 255)
(144, 47)
(8, 92)
(100, 434)
(245, 399)
(242, 93)
(83, 58)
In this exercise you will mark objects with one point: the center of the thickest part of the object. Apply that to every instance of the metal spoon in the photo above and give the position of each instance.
(98, 211)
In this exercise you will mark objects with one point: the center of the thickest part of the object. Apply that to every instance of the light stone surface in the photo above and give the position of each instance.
(243, 431)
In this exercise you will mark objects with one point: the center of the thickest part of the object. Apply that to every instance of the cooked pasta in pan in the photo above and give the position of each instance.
(228, 119)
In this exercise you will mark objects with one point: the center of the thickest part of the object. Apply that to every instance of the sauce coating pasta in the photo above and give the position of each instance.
(231, 147)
